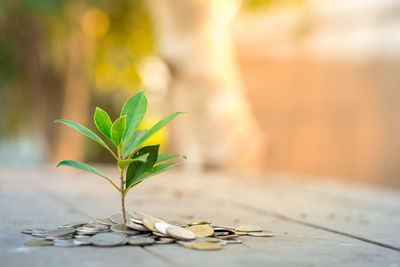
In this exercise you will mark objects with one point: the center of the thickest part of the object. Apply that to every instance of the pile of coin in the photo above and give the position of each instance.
(143, 230)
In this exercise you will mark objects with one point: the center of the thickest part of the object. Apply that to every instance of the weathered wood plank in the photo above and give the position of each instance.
(24, 203)
(219, 198)
(359, 212)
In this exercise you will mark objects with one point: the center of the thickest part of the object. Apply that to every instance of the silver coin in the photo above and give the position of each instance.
(234, 241)
(261, 234)
(159, 234)
(39, 238)
(64, 243)
(108, 239)
(66, 237)
(94, 227)
(178, 223)
(82, 235)
(136, 221)
(137, 226)
(122, 228)
(104, 221)
(117, 218)
(164, 240)
(223, 228)
(208, 239)
(161, 227)
(137, 217)
(223, 242)
(88, 230)
(141, 235)
(82, 241)
(142, 241)
(84, 232)
(223, 231)
(73, 225)
(227, 236)
(186, 244)
(125, 242)
(29, 231)
(61, 231)
(180, 233)
(39, 232)
(26, 231)
(249, 228)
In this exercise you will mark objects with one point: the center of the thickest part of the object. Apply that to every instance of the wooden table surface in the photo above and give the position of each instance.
(317, 222)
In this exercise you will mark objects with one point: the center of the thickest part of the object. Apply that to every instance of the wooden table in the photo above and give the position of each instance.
(317, 222)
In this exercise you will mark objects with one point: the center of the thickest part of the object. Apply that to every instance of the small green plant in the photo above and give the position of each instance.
(140, 162)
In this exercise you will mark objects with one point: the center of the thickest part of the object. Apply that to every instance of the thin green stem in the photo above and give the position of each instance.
(113, 183)
(112, 153)
(122, 150)
(122, 189)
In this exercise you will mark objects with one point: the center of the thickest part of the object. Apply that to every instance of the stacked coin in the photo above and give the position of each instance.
(143, 230)
(91, 229)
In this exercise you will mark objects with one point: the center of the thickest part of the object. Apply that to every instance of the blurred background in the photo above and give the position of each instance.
(300, 86)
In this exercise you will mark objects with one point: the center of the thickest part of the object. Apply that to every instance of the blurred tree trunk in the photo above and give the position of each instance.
(32, 103)
(193, 37)
(76, 100)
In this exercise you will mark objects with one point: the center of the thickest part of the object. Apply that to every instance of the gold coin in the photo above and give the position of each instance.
(240, 233)
(201, 230)
(199, 223)
(218, 233)
(39, 243)
(206, 246)
(149, 223)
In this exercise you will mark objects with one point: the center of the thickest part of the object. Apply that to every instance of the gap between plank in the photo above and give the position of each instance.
(288, 219)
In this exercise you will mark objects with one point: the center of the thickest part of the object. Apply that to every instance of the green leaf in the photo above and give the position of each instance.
(134, 109)
(103, 122)
(151, 172)
(136, 168)
(165, 157)
(85, 131)
(132, 143)
(117, 130)
(157, 127)
(123, 163)
(85, 167)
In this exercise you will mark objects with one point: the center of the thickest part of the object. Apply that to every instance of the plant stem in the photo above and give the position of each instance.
(123, 196)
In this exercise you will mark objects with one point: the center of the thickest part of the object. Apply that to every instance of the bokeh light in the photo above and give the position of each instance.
(95, 23)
